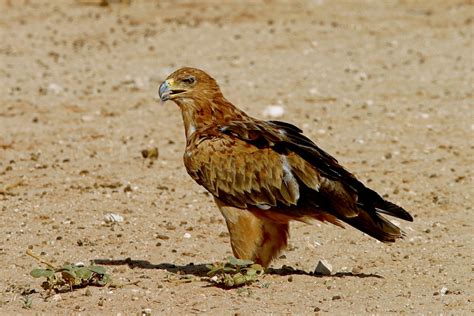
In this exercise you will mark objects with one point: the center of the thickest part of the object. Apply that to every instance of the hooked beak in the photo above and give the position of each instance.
(166, 90)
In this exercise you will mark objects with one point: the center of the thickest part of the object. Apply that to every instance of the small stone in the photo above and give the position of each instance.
(313, 91)
(317, 309)
(290, 278)
(151, 153)
(146, 312)
(323, 268)
(274, 111)
(113, 218)
(187, 235)
(336, 297)
(87, 118)
(57, 297)
(444, 290)
(357, 270)
(55, 88)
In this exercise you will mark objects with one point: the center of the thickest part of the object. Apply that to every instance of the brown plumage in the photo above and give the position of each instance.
(263, 174)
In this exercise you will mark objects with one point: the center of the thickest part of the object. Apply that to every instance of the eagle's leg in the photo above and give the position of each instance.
(254, 237)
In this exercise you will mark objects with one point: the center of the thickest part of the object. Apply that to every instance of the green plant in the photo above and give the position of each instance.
(234, 272)
(69, 275)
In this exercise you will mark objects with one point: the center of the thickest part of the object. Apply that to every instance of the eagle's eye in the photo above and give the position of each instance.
(189, 80)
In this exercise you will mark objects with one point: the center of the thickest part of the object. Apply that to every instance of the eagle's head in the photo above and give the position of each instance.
(188, 83)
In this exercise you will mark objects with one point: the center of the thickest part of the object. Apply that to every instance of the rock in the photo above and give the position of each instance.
(357, 270)
(444, 290)
(57, 297)
(274, 111)
(55, 88)
(151, 153)
(162, 237)
(146, 312)
(113, 218)
(323, 268)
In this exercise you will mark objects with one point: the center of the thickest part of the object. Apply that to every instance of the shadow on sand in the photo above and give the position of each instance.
(201, 270)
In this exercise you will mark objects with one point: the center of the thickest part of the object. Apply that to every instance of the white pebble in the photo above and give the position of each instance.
(187, 235)
(443, 290)
(87, 118)
(55, 88)
(313, 91)
(57, 297)
(323, 268)
(113, 218)
(274, 111)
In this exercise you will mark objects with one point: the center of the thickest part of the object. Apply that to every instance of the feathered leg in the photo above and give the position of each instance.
(254, 237)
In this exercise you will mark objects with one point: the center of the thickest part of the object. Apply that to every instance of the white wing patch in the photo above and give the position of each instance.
(191, 130)
(289, 180)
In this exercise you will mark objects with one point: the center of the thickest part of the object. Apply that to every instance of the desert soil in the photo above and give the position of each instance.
(385, 86)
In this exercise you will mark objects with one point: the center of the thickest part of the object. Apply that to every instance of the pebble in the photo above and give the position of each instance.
(444, 290)
(57, 297)
(146, 312)
(274, 111)
(187, 235)
(113, 218)
(87, 118)
(55, 88)
(357, 270)
(313, 91)
(323, 268)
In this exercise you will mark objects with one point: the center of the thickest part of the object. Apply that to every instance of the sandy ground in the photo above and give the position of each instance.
(385, 86)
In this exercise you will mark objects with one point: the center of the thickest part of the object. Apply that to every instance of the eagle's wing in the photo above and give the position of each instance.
(273, 166)
(241, 174)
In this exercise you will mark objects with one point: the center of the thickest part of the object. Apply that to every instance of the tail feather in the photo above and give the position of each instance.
(394, 210)
(375, 225)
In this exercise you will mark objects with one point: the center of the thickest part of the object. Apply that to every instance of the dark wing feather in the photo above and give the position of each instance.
(329, 167)
(338, 192)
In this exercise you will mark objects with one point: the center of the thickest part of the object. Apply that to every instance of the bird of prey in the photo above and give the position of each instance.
(263, 174)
